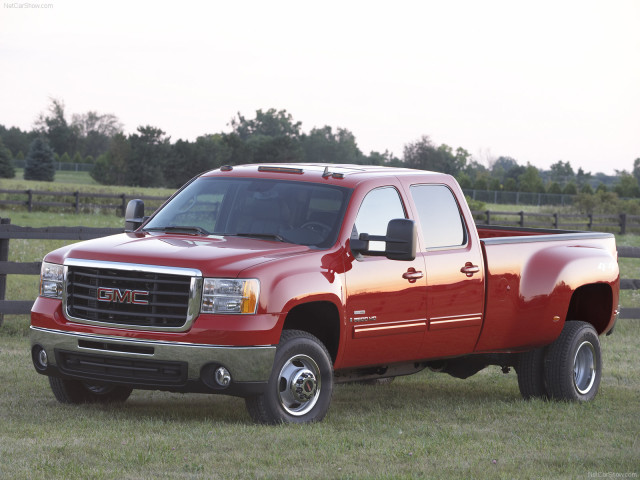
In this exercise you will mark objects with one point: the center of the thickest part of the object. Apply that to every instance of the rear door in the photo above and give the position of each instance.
(454, 273)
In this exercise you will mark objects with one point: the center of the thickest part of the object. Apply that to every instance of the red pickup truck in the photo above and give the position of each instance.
(274, 282)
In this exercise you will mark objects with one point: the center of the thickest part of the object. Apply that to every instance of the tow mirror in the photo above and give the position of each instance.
(400, 240)
(134, 216)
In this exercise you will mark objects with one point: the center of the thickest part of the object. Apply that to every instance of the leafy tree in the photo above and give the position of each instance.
(77, 158)
(387, 158)
(150, 152)
(570, 189)
(39, 164)
(481, 184)
(7, 170)
(510, 185)
(562, 172)
(271, 136)
(95, 131)
(586, 188)
(424, 155)
(189, 159)
(272, 123)
(501, 166)
(324, 145)
(16, 140)
(636, 169)
(627, 185)
(65, 158)
(62, 137)
(601, 188)
(530, 180)
(554, 188)
(464, 180)
(111, 167)
(582, 177)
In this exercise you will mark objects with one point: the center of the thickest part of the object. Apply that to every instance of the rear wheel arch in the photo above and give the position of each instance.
(593, 304)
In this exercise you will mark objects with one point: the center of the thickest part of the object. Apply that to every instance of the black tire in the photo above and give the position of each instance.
(301, 382)
(573, 365)
(75, 392)
(530, 370)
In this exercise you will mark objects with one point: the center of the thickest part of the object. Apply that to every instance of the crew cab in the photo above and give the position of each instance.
(275, 282)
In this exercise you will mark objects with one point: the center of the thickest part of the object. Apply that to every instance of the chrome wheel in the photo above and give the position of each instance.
(299, 385)
(584, 367)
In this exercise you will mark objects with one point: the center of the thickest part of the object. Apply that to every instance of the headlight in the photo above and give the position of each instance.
(230, 295)
(51, 280)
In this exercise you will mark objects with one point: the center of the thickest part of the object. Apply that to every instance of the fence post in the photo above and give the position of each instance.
(123, 207)
(4, 257)
(555, 221)
(590, 224)
(77, 198)
(521, 219)
(488, 217)
(29, 200)
(623, 223)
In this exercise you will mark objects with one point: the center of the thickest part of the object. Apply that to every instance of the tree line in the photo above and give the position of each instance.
(148, 157)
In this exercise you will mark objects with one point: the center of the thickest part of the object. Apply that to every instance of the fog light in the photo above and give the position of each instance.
(223, 377)
(40, 359)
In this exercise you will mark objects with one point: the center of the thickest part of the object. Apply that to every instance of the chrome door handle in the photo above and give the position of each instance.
(469, 269)
(412, 275)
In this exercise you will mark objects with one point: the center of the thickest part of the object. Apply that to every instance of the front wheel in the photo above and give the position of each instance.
(573, 365)
(75, 391)
(301, 382)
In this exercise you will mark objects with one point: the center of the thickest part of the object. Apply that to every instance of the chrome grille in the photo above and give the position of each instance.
(131, 296)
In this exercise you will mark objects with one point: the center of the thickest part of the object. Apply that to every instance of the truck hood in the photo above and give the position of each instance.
(213, 255)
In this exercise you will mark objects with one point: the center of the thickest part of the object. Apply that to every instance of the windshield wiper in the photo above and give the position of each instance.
(266, 236)
(188, 229)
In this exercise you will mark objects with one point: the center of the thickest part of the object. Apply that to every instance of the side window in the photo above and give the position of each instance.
(378, 207)
(440, 217)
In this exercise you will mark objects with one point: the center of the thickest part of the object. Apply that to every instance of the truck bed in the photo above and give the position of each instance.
(531, 275)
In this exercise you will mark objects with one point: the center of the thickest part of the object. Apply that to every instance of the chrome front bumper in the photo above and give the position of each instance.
(246, 364)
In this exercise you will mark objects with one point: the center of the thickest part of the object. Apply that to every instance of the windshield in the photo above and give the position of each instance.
(295, 212)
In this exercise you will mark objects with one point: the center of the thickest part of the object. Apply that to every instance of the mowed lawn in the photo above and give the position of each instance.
(427, 425)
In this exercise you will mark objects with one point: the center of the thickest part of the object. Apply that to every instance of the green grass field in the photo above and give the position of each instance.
(427, 425)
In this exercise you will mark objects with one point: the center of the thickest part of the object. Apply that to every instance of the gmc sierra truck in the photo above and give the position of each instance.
(275, 282)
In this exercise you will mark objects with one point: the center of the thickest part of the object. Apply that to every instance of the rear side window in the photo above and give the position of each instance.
(440, 218)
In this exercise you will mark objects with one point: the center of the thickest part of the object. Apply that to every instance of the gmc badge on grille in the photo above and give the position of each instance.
(115, 295)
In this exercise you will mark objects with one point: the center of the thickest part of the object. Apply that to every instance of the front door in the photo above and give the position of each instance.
(386, 302)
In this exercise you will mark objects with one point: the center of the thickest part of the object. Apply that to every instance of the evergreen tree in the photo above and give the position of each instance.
(7, 169)
(39, 164)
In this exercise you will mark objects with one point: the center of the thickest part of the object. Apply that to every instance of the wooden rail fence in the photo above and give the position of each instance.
(73, 201)
(23, 307)
(614, 223)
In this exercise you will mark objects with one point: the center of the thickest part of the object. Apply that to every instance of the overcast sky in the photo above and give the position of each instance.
(539, 81)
